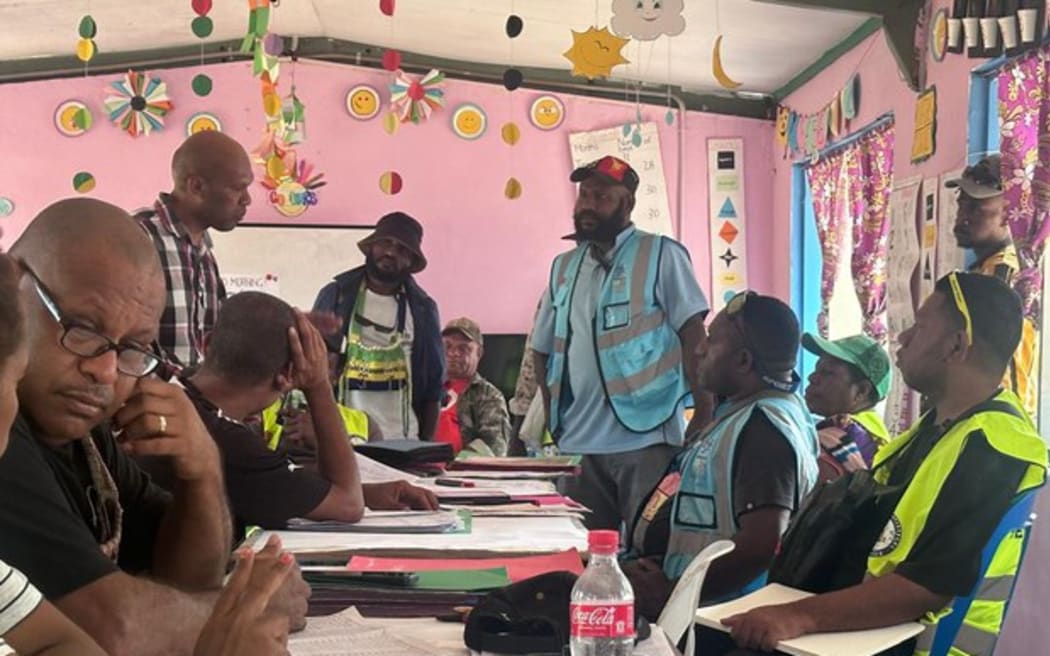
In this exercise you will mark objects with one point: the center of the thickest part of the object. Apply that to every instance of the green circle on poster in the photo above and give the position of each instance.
(202, 27)
(201, 84)
(83, 182)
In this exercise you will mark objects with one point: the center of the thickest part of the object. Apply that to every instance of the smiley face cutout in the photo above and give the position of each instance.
(469, 121)
(547, 112)
(363, 102)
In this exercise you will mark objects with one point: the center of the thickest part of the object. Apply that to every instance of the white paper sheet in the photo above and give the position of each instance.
(373, 471)
(902, 259)
(949, 256)
(498, 534)
(848, 643)
(928, 236)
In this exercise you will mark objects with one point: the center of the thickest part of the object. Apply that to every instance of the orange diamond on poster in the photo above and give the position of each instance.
(728, 232)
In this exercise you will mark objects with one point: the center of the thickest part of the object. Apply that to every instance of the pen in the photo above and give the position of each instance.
(452, 482)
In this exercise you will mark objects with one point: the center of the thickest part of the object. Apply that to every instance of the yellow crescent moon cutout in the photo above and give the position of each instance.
(718, 70)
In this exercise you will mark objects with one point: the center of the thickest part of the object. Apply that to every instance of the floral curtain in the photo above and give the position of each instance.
(1024, 125)
(851, 189)
(871, 234)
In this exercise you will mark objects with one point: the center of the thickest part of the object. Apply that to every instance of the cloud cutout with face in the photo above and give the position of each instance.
(646, 20)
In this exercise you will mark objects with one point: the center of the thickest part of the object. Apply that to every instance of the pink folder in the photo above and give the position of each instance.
(518, 567)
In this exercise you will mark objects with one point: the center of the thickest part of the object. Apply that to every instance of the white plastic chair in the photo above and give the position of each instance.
(680, 612)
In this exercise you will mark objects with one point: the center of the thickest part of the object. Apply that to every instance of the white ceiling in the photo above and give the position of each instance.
(765, 45)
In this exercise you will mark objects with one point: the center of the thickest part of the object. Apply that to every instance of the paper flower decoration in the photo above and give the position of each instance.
(414, 100)
(595, 52)
(646, 20)
(139, 104)
(291, 181)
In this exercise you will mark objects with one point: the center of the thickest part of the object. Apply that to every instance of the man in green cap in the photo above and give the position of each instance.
(851, 378)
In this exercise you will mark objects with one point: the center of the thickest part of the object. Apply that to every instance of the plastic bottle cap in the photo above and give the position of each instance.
(603, 541)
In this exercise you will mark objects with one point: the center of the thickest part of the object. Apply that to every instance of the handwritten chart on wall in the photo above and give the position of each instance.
(652, 212)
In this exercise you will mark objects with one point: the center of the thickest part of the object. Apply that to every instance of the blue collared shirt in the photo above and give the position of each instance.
(589, 425)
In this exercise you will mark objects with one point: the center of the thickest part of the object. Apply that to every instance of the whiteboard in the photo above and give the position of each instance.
(295, 262)
(652, 212)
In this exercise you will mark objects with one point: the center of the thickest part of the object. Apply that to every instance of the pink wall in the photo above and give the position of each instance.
(882, 90)
(488, 255)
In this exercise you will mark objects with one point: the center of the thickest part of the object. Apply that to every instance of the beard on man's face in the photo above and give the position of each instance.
(602, 229)
(387, 274)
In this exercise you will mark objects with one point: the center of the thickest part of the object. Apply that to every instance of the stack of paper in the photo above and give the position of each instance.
(349, 634)
(846, 643)
(390, 521)
(499, 534)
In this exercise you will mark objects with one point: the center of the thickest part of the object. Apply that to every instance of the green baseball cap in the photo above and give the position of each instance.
(861, 351)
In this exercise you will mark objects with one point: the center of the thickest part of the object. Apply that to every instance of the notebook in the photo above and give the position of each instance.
(846, 643)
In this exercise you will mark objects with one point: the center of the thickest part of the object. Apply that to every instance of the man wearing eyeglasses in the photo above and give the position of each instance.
(745, 474)
(982, 226)
(135, 567)
(941, 489)
(613, 345)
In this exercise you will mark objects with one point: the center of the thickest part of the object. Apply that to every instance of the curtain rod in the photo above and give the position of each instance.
(879, 122)
(992, 67)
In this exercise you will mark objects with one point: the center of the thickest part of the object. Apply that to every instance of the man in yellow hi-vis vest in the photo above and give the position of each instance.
(956, 473)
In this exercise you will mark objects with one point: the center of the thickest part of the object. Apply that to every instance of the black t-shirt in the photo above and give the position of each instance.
(264, 488)
(946, 558)
(764, 475)
(46, 515)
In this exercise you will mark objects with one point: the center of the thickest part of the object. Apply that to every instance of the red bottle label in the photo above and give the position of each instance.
(602, 620)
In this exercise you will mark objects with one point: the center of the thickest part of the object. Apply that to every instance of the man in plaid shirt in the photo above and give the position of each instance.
(211, 174)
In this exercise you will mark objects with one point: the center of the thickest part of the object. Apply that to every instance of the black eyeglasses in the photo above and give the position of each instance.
(85, 342)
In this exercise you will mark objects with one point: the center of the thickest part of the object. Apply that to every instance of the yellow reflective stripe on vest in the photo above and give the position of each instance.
(1012, 436)
(872, 422)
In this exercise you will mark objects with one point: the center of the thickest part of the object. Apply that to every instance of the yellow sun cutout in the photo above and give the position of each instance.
(595, 52)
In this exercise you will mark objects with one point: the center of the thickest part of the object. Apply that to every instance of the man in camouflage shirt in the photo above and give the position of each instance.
(474, 413)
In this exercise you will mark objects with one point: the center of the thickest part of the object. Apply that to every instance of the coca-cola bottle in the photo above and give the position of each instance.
(602, 610)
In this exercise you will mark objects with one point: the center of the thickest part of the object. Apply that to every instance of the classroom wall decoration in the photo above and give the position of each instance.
(290, 180)
(139, 104)
(83, 182)
(7, 206)
(390, 183)
(202, 27)
(924, 143)
(728, 219)
(86, 48)
(647, 20)
(363, 103)
(547, 112)
(595, 52)
(73, 118)
(983, 31)
(805, 134)
(414, 100)
(718, 69)
(939, 35)
(652, 212)
(510, 133)
(469, 121)
(202, 122)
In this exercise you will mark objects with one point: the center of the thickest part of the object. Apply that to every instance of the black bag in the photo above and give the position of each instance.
(528, 617)
(827, 545)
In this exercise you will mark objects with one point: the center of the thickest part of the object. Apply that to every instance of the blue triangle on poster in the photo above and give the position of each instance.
(727, 211)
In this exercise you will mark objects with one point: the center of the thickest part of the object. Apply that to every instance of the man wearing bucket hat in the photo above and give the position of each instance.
(851, 377)
(615, 344)
(387, 357)
(982, 226)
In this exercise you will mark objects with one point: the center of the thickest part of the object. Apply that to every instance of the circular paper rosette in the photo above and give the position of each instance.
(414, 100)
(138, 103)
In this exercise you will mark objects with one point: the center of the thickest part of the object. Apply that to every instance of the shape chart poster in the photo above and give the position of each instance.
(727, 220)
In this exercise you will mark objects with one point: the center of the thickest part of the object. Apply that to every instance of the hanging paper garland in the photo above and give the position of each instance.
(291, 181)
(83, 182)
(139, 104)
(414, 100)
(202, 27)
(87, 30)
(807, 134)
